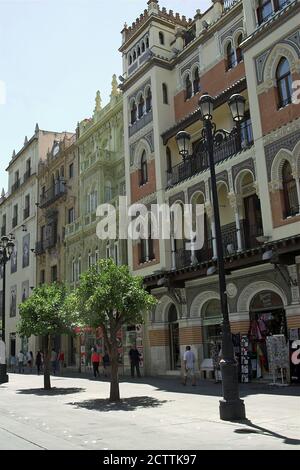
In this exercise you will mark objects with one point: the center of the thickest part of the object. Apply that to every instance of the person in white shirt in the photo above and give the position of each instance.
(189, 366)
(21, 359)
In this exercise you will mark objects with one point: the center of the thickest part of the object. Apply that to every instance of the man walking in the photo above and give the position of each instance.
(134, 356)
(189, 366)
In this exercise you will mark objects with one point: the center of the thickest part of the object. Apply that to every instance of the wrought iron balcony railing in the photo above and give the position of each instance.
(226, 145)
(52, 194)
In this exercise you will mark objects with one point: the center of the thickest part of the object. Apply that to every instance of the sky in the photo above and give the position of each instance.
(54, 56)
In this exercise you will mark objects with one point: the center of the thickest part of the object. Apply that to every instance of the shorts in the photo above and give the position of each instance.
(189, 372)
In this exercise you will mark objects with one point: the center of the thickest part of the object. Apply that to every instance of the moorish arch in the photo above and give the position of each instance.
(282, 156)
(200, 301)
(162, 309)
(247, 295)
(143, 146)
(280, 50)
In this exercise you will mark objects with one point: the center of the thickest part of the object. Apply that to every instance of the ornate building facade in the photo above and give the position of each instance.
(247, 47)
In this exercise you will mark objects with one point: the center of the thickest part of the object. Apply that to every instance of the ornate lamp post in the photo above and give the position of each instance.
(231, 407)
(6, 250)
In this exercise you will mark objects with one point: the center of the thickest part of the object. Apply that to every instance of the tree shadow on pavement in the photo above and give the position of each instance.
(53, 392)
(127, 404)
(255, 429)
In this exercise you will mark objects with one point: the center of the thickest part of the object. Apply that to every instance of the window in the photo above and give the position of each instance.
(169, 160)
(165, 93)
(71, 170)
(90, 260)
(27, 206)
(133, 112)
(141, 107)
(239, 52)
(144, 170)
(147, 43)
(246, 131)
(116, 254)
(188, 88)
(148, 100)
(3, 228)
(161, 38)
(107, 251)
(42, 277)
(78, 268)
(15, 216)
(138, 51)
(230, 56)
(73, 279)
(134, 56)
(93, 201)
(146, 251)
(28, 170)
(196, 81)
(54, 273)
(264, 11)
(71, 215)
(130, 59)
(62, 172)
(284, 83)
(290, 197)
(143, 47)
(108, 193)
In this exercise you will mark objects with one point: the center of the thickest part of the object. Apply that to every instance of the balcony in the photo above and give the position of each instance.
(52, 194)
(27, 175)
(40, 248)
(266, 12)
(26, 213)
(50, 242)
(226, 145)
(15, 186)
(140, 123)
(249, 236)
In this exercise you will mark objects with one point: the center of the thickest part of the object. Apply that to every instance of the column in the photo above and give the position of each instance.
(235, 202)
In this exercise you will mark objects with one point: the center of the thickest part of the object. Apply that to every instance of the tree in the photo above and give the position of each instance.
(47, 313)
(109, 297)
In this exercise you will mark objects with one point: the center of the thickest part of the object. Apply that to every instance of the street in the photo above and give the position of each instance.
(155, 414)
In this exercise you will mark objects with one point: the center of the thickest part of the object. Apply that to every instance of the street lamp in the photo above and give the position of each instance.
(6, 250)
(231, 407)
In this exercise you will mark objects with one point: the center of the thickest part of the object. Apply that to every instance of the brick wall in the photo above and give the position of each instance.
(136, 257)
(190, 335)
(137, 191)
(159, 337)
(293, 322)
(241, 327)
(277, 205)
(214, 82)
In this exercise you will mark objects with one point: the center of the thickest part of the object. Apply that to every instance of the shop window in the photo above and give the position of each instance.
(290, 197)
(212, 323)
(284, 83)
(188, 88)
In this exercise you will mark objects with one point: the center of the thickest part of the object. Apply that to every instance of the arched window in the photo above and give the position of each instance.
(147, 43)
(130, 59)
(148, 100)
(290, 198)
(144, 169)
(284, 83)
(169, 160)
(161, 38)
(165, 93)
(230, 56)
(134, 56)
(138, 51)
(133, 112)
(239, 52)
(188, 88)
(141, 106)
(196, 81)
(143, 47)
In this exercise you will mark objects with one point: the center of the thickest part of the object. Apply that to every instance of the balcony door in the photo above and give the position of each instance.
(253, 220)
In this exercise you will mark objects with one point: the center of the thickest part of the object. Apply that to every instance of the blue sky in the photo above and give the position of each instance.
(54, 56)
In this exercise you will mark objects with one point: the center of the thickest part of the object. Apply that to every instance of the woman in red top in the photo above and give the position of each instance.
(95, 362)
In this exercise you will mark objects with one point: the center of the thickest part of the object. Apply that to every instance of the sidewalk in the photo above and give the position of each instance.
(156, 413)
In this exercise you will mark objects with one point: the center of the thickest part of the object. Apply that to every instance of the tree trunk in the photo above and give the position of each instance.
(47, 352)
(114, 379)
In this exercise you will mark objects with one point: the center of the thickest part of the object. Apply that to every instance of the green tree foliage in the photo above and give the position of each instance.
(47, 312)
(109, 297)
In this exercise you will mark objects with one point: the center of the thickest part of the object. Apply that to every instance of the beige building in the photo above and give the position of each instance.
(18, 217)
(247, 47)
(57, 207)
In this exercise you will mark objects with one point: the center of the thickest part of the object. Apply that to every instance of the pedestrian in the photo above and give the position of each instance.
(134, 356)
(29, 357)
(61, 361)
(21, 359)
(106, 364)
(13, 363)
(189, 366)
(53, 359)
(95, 362)
(38, 362)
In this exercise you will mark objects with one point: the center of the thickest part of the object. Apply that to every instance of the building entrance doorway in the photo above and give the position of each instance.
(175, 362)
